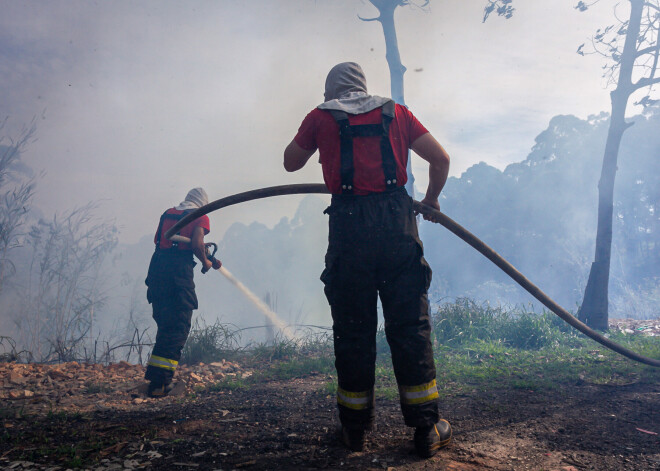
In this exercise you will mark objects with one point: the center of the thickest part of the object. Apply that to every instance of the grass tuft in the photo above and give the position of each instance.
(208, 343)
(476, 346)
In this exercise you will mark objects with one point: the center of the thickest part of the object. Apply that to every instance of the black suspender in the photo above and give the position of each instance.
(348, 132)
(164, 216)
(389, 162)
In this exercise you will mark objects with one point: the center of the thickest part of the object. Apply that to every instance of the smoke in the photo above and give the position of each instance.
(137, 103)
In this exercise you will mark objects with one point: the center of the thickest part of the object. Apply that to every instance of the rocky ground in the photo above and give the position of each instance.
(92, 387)
(58, 417)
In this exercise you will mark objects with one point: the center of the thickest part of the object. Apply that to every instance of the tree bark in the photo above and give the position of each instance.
(594, 308)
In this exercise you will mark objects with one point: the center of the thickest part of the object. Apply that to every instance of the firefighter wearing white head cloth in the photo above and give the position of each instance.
(171, 289)
(374, 250)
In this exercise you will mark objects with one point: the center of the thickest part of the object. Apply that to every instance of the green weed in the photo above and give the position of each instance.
(298, 368)
(330, 388)
(209, 343)
(280, 349)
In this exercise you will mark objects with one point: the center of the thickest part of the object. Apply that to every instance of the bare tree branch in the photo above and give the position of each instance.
(646, 82)
(653, 6)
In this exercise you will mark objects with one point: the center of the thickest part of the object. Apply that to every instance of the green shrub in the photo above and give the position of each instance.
(210, 343)
(465, 321)
(282, 348)
(527, 331)
(279, 349)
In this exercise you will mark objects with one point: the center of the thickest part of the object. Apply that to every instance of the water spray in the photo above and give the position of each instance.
(446, 221)
(253, 298)
(274, 318)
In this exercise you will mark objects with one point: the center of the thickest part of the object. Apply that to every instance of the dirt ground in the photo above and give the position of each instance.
(96, 417)
(291, 425)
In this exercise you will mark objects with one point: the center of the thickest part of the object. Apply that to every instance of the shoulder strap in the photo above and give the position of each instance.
(346, 150)
(348, 132)
(164, 216)
(386, 151)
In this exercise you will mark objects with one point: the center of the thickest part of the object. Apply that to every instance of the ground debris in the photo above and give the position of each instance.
(87, 387)
(649, 328)
(86, 417)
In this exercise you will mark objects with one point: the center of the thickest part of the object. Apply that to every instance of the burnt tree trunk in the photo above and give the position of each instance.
(594, 308)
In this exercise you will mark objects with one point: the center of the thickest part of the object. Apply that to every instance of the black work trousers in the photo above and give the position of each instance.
(171, 292)
(374, 250)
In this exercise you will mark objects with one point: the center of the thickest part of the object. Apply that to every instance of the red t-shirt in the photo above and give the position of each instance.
(319, 130)
(187, 230)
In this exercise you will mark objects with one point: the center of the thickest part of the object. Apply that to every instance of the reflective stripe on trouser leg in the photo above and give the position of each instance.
(162, 362)
(420, 394)
(355, 400)
(173, 329)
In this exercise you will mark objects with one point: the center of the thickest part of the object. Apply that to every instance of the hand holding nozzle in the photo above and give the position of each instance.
(210, 255)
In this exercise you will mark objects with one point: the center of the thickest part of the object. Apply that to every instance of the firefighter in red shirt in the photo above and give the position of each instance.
(374, 250)
(171, 289)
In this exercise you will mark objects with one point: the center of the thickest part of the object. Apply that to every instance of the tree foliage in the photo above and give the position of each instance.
(539, 215)
(609, 42)
(500, 7)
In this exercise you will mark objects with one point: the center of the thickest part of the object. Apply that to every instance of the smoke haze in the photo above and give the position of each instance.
(137, 102)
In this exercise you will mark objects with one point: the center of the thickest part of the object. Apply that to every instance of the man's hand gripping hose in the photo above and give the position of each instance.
(447, 222)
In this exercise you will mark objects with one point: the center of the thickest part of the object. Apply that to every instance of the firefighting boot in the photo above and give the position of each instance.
(353, 438)
(428, 440)
(159, 389)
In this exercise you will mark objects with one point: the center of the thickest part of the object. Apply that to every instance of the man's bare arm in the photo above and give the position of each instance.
(430, 150)
(295, 157)
(198, 247)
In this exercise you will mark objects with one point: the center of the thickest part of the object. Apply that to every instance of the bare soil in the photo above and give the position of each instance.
(97, 417)
(291, 425)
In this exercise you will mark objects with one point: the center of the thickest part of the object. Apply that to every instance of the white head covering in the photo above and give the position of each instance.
(196, 198)
(346, 90)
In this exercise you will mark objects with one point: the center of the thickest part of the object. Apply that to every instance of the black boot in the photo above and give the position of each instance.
(159, 389)
(428, 440)
(353, 438)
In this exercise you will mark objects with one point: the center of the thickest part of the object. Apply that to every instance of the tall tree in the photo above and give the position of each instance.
(633, 49)
(386, 10)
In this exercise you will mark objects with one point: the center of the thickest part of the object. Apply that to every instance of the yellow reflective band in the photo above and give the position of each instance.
(161, 362)
(419, 394)
(354, 400)
(420, 388)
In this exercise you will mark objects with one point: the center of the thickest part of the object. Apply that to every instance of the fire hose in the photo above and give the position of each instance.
(452, 226)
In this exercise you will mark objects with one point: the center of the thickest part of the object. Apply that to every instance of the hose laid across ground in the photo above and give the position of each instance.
(450, 224)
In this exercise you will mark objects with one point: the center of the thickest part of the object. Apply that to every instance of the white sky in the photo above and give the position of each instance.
(137, 102)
